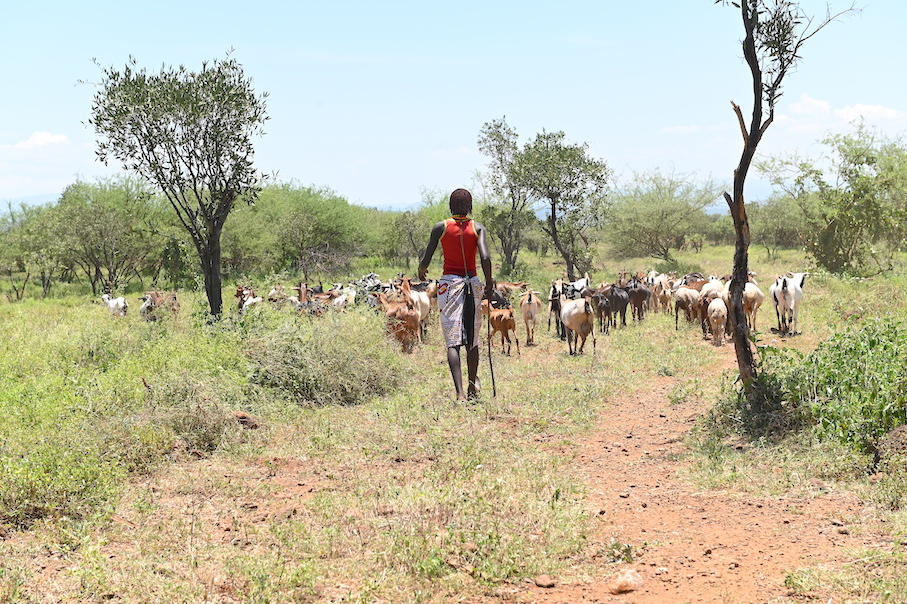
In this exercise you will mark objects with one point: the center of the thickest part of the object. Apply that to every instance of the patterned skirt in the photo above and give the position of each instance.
(451, 302)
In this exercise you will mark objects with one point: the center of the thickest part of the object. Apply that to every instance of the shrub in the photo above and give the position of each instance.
(850, 389)
(59, 476)
(333, 359)
(854, 384)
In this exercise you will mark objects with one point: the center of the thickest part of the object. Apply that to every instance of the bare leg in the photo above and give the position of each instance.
(472, 366)
(453, 360)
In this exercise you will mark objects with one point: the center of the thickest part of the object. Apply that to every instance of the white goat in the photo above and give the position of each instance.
(346, 298)
(717, 319)
(530, 307)
(786, 293)
(423, 307)
(117, 306)
(578, 318)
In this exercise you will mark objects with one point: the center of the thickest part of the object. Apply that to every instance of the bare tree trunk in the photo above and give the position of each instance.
(740, 331)
(210, 256)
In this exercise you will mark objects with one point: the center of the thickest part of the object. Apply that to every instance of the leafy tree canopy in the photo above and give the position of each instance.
(189, 133)
(654, 213)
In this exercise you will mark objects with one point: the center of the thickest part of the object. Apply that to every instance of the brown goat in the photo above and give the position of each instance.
(402, 317)
(502, 320)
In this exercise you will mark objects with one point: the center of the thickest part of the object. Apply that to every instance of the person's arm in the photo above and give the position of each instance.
(485, 258)
(433, 240)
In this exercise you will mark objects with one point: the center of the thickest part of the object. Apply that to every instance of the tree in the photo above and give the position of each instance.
(190, 134)
(654, 213)
(573, 185)
(775, 32)
(777, 223)
(104, 228)
(509, 215)
(853, 214)
(319, 233)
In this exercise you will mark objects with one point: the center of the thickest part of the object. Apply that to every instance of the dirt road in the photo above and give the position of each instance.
(689, 545)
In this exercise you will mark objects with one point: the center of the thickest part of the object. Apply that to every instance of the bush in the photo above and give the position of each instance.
(850, 389)
(336, 359)
(59, 476)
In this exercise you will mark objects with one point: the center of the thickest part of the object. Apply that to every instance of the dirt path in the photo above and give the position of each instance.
(691, 546)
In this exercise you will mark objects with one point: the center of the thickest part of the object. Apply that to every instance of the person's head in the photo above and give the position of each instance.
(461, 202)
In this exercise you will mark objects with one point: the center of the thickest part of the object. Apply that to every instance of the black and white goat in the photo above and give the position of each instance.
(786, 293)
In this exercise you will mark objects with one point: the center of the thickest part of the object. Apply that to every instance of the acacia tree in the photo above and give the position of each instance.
(190, 134)
(654, 212)
(775, 32)
(508, 219)
(573, 185)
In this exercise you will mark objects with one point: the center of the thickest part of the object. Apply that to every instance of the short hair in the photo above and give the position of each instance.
(461, 202)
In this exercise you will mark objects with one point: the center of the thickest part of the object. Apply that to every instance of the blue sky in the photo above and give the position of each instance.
(378, 101)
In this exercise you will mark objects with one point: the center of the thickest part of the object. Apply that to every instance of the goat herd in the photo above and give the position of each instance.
(575, 306)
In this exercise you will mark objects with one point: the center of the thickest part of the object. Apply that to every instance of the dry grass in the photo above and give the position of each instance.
(407, 497)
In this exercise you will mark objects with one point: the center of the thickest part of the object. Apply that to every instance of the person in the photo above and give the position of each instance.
(459, 290)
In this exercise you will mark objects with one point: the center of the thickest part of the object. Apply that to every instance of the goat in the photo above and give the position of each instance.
(116, 306)
(554, 307)
(578, 318)
(752, 300)
(530, 306)
(246, 298)
(685, 299)
(402, 317)
(786, 293)
(346, 298)
(153, 300)
(422, 303)
(619, 298)
(602, 303)
(574, 289)
(717, 312)
(305, 302)
(277, 294)
(661, 293)
(639, 297)
(501, 320)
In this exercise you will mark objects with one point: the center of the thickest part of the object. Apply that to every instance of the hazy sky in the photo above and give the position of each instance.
(380, 100)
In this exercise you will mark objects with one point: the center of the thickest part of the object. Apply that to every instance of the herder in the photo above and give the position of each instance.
(459, 291)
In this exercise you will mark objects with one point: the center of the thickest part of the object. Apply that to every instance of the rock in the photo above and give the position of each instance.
(544, 581)
(626, 580)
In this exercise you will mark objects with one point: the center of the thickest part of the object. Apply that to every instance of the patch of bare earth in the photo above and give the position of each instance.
(689, 545)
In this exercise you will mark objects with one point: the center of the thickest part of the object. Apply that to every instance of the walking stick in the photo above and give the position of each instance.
(494, 389)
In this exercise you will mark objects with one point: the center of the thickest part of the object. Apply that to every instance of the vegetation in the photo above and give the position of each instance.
(190, 134)
(121, 435)
(654, 214)
(508, 217)
(853, 217)
(573, 187)
(380, 476)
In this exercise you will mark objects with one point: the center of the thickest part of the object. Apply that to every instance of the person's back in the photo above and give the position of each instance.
(459, 244)
(459, 289)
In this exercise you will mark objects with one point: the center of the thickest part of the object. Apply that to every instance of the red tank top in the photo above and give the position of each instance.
(460, 244)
